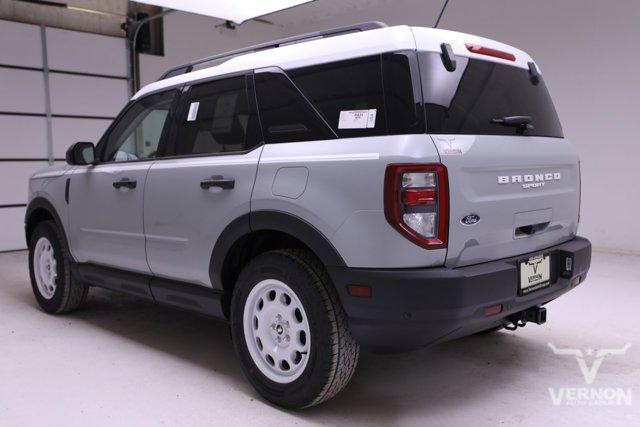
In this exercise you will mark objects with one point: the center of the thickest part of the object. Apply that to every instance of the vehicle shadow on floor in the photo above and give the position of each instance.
(435, 381)
(196, 339)
(384, 388)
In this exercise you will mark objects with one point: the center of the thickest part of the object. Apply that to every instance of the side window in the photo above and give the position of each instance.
(217, 118)
(137, 134)
(349, 94)
(285, 115)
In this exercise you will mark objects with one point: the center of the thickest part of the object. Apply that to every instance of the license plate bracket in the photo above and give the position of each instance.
(534, 273)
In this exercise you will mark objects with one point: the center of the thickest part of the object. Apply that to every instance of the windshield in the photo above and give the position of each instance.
(476, 98)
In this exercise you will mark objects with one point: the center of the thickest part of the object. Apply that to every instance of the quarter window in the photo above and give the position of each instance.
(285, 115)
(347, 93)
(369, 96)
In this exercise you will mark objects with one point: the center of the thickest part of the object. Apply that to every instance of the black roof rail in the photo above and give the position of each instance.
(188, 67)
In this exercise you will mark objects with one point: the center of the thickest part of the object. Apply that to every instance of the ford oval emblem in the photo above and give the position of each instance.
(470, 219)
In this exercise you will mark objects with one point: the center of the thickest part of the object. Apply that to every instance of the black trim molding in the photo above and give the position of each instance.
(40, 203)
(182, 295)
(301, 230)
(270, 221)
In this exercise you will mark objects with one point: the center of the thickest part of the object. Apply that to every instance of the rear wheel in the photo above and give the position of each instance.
(49, 268)
(290, 331)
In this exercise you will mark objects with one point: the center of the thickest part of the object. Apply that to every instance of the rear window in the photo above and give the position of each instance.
(467, 100)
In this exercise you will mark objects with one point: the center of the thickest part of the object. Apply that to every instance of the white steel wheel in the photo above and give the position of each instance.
(276, 331)
(53, 285)
(45, 268)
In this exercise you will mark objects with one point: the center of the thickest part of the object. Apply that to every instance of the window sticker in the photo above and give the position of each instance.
(357, 119)
(193, 111)
(371, 120)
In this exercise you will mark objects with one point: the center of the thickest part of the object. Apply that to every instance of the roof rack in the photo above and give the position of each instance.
(188, 67)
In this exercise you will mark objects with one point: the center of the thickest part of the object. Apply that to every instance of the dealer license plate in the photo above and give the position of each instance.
(535, 273)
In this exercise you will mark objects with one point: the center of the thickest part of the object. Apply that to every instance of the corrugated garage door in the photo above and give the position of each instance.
(56, 87)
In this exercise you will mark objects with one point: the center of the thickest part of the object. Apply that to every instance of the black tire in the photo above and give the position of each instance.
(69, 293)
(333, 354)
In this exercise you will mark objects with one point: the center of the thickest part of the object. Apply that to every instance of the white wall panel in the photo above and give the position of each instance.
(14, 181)
(87, 96)
(21, 91)
(86, 53)
(20, 44)
(23, 137)
(68, 131)
(12, 235)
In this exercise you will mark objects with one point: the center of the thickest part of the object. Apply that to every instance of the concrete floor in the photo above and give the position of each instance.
(121, 361)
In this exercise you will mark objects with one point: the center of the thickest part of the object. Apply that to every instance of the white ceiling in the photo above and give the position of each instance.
(321, 10)
(231, 10)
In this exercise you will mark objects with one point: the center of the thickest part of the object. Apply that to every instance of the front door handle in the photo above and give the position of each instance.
(126, 183)
(218, 181)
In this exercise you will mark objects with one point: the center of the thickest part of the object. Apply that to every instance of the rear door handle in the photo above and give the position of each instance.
(218, 181)
(126, 183)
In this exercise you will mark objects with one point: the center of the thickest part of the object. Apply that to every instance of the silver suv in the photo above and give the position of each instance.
(385, 187)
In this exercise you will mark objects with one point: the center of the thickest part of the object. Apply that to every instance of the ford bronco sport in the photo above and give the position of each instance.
(385, 187)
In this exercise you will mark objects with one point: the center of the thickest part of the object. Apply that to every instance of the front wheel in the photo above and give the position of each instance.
(55, 289)
(290, 331)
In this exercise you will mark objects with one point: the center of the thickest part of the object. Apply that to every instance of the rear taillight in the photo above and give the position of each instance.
(416, 202)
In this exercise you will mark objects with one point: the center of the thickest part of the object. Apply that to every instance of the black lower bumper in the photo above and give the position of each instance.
(410, 308)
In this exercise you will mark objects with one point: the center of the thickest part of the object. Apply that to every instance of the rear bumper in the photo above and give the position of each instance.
(412, 308)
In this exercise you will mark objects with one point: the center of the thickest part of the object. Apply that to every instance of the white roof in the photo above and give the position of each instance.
(352, 45)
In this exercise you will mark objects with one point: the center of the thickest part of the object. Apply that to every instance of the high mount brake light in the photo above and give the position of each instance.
(481, 50)
(416, 202)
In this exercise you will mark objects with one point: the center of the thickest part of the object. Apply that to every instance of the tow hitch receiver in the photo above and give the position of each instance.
(537, 315)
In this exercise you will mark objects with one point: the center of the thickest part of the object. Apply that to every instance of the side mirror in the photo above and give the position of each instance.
(81, 153)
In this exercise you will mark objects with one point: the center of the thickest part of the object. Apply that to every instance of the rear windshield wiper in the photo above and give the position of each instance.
(522, 122)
